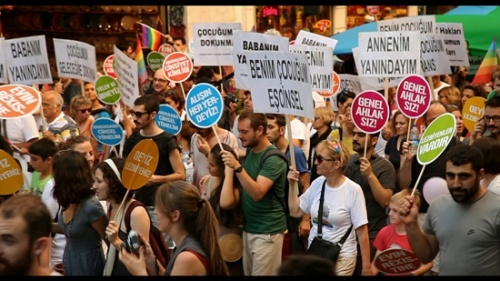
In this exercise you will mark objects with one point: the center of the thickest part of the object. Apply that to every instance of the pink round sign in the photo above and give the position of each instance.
(413, 96)
(166, 49)
(108, 66)
(370, 111)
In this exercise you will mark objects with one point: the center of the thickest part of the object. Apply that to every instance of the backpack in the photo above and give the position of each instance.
(156, 239)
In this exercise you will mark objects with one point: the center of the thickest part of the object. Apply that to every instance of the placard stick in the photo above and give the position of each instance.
(116, 152)
(418, 180)
(409, 129)
(295, 185)
(222, 82)
(183, 92)
(217, 136)
(366, 144)
(121, 204)
(429, 79)
(386, 89)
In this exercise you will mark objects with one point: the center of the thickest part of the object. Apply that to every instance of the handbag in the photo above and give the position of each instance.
(319, 246)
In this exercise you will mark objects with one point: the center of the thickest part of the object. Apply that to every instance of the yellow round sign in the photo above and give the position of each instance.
(140, 164)
(472, 111)
(11, 174)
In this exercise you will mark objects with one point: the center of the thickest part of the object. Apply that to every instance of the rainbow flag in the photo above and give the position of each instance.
(489, 63)
(151, 38)
(141, 62)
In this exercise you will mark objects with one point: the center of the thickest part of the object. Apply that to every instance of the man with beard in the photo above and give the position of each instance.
(170, 167)
(490, 123)
(263, 187)
(160, 86)
(463, 227)
(377, 177)
(25, 227)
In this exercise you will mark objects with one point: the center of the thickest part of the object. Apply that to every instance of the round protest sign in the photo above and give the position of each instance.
(204, 105)
(11, 174)
(18, 100)
(140, 164)
(177, 67)
(473, 111)
(107, 89)
(166, 49)
(168, 119)
(370, 111)
(107, 131)
(435, 138)
(413, 96)
(397, 262)
(108, 68)
(155, 60)
(335, 86)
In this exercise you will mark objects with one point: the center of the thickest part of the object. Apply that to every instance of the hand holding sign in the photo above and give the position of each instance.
(204, 106)
(434, 141)
(139, 166)
(370, 112)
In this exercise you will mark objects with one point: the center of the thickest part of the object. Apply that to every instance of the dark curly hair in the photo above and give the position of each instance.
(116, 189)
(72, 178)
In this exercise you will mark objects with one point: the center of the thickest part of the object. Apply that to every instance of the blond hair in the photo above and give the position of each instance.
(335, 150)
(397, 197)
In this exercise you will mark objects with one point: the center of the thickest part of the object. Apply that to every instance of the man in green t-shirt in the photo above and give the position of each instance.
(264, 216)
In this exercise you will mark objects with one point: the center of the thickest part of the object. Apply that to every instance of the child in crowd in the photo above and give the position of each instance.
(394, 234)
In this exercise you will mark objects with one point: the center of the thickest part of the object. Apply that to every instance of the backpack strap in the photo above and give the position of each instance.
(130, 208)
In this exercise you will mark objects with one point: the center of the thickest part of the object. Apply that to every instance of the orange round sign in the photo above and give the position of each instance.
(473, 111)
(140, 164)
(11, 174)
(107, 66)
(177, 67)
(335, 86)
(166, 49)
(397, 262)
(18, 100)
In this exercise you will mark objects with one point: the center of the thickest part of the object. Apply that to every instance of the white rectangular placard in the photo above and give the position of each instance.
(313, 39)
(374, 83)
(433, 58)
(213, 42)
(75, 59)
(27, 60)
(388, 54)
(452, 34)
(127, 76)
(422, 24)
(245, 41)
(320, 61)
(280, 83)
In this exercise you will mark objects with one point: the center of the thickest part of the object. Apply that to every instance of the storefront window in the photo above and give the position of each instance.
(289, 20)
(358, 15)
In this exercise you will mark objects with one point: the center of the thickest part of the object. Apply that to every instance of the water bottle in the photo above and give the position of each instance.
(414, 139)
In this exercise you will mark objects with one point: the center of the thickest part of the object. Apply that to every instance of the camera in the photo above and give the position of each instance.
(133, 242)
(230, 99)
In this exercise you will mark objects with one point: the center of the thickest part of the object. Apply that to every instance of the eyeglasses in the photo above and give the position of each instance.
(495, 118)
(85, 110)
(160, 80)
(138, 114)
(320, 159)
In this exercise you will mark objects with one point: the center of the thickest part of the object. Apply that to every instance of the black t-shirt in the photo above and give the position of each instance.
(166, 143)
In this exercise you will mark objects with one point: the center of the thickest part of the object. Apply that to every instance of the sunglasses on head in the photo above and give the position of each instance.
(137, 114)
(85, 110)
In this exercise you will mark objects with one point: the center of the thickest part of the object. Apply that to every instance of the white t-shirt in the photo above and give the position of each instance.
(495, 185)
(343, 206)
(59, 240)
(300, 132)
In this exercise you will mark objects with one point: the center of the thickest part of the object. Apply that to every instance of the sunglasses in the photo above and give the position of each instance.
(137, 114)
(85, 110)
(320, 159)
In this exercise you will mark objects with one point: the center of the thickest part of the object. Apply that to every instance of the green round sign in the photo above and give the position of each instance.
(155, 60)
(107, 89)
(436, 138)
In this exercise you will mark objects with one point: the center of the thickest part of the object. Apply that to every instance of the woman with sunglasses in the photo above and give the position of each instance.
(80, 110)
(343, 206)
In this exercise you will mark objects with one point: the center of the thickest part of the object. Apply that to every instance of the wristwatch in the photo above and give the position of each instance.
(239, 169)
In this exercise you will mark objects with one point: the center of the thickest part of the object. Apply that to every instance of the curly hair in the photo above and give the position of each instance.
(116, 189)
